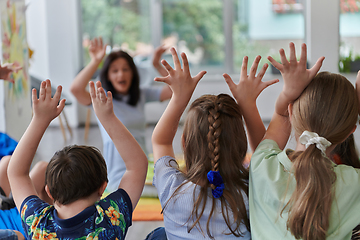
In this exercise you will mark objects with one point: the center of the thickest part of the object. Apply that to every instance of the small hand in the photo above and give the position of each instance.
(296, 76)
(46, 108)
(159, 51)
(250, 86)
(102, 104)
(6, 69)
(97, 49)
(180, 80)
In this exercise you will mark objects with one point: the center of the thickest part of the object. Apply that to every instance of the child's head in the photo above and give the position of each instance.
(328, 107)
(214, 136)
(74, 173)
(214, 139)
(120, 75)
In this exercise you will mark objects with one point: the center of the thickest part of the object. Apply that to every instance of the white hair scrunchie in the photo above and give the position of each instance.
(307, 138)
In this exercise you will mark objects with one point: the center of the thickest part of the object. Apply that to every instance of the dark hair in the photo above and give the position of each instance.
(347, 153)
(134, 90)
(215, 139)
(75, 172)
(329, 107)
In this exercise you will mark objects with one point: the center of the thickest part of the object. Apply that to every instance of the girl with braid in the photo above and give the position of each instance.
(209, 200)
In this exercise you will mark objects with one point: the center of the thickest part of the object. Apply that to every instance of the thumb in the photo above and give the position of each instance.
(163, 79)
(229, 81)
(316, 67)
(199, 76)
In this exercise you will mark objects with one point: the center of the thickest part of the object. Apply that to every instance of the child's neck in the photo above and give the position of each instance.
(72, 209)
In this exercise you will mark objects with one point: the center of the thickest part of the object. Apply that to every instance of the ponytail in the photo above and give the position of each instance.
(310, 204)
(329, 107)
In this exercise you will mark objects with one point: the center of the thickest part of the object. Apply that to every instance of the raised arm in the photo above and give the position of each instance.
(45, 110)
(134, 157)
(296, 78)
(97, 52)
(182, 86)
(246, 93)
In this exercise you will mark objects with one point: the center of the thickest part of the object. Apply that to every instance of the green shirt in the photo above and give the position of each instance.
(269, 174)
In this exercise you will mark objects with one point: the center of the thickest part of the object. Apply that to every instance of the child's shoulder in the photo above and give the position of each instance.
(118, 200)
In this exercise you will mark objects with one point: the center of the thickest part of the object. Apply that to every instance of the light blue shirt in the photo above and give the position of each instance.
(133, 117)
(178, 210)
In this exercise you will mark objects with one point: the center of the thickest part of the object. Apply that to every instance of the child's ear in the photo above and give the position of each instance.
(102, 188)
(48, 192)
(182, 141)
(290, 108)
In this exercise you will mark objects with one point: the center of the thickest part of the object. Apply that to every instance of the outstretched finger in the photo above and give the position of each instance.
(303, 56)
(244, 64)
(229, 81)
(34, 95)
(100, 42)
(316, 67)
(269, 83)
(167, 66)
(254, 66)
(42, 92)
(262, 71)
(92, 90)
(275, 63)
(48, 89)
(185, 63)
(283, 58)
(199, 76)
(162, 79)
(175, 58)
(101, 94)
(57, 94)
(292, 53)
(61, 106)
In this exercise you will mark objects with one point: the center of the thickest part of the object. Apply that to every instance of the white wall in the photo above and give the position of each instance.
(54, 35)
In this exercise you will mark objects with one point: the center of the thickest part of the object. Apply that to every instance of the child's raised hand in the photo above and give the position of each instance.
(249, 86)
(97, 49)
(296, 75)
(6, 69)
(159, 51)
(102, 104)
(46, 108)
(179, 79)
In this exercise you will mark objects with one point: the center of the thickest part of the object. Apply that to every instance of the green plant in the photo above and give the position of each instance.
(345, 62)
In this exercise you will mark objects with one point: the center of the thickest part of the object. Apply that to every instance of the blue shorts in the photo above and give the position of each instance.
(7, 234)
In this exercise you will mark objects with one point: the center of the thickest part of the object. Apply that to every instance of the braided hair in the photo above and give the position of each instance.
(215, 140)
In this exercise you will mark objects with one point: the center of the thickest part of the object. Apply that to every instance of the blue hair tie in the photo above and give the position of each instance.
(215, 178)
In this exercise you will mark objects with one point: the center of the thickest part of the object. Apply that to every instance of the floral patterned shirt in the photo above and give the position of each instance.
(107, 219)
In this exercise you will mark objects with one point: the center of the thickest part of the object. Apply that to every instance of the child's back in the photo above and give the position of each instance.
(74, 174)
(76, 177)
(188, 200)
(209, 199)
(302, 194)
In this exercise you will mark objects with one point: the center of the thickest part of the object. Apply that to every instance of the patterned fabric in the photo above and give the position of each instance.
(107, 219)
(356, 233)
